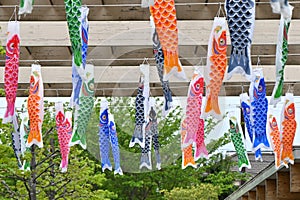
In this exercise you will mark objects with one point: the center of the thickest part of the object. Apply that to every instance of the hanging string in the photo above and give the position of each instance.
(242, 85)
(14, 14)
(145, 61)
(220, 10)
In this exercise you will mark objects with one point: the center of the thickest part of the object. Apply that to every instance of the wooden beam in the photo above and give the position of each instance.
(122, 80)
(134, 55)
(251, 195)
(130, 74)
(270, 191)
(117, 13)
(283, 187)
(260, 192)
(295, 177)
(137, 33)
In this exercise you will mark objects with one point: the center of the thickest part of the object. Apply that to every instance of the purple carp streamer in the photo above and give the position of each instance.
(240, 19)
(281, 58)
(108, 137)
(11, 71)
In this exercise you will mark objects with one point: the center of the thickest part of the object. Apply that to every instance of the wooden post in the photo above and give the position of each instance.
(32, 179)
(283, 187)
(244, 197)
(251, 195)
(260, 192)
(270, 191)
(295, 178)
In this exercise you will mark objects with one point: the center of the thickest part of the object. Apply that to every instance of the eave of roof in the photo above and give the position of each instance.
(260, 177)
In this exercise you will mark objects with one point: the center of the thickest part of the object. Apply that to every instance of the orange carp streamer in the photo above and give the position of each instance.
(35, 106)
(164, 15)
(289, 126)
(215, 68)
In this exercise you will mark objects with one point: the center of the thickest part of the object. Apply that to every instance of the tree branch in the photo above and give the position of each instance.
(14, 176)
(44, 171)
(61, 180)
(9, 190)
(48, 157)
(48, 132)
(27, 188)
(63, 185)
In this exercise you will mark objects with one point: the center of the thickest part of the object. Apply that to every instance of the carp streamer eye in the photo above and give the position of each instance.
(290, 111)
(260, 88)
(222, 42)
(104, 117)
(274, 124)
(247, 110)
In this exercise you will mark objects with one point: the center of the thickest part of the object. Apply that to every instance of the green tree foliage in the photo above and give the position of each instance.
(84, 179)
(45, 181)
(156, 184)
(203, 191)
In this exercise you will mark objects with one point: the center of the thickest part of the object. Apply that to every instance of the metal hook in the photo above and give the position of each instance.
(37, 62)
(258, 61)
(291, 88)
(90, 61)
(200, 63)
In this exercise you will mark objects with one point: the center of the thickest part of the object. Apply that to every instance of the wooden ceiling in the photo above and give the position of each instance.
(120, 40)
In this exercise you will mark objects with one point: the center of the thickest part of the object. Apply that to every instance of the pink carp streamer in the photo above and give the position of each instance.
(192, 128)
(11, 71)
(64, 132)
